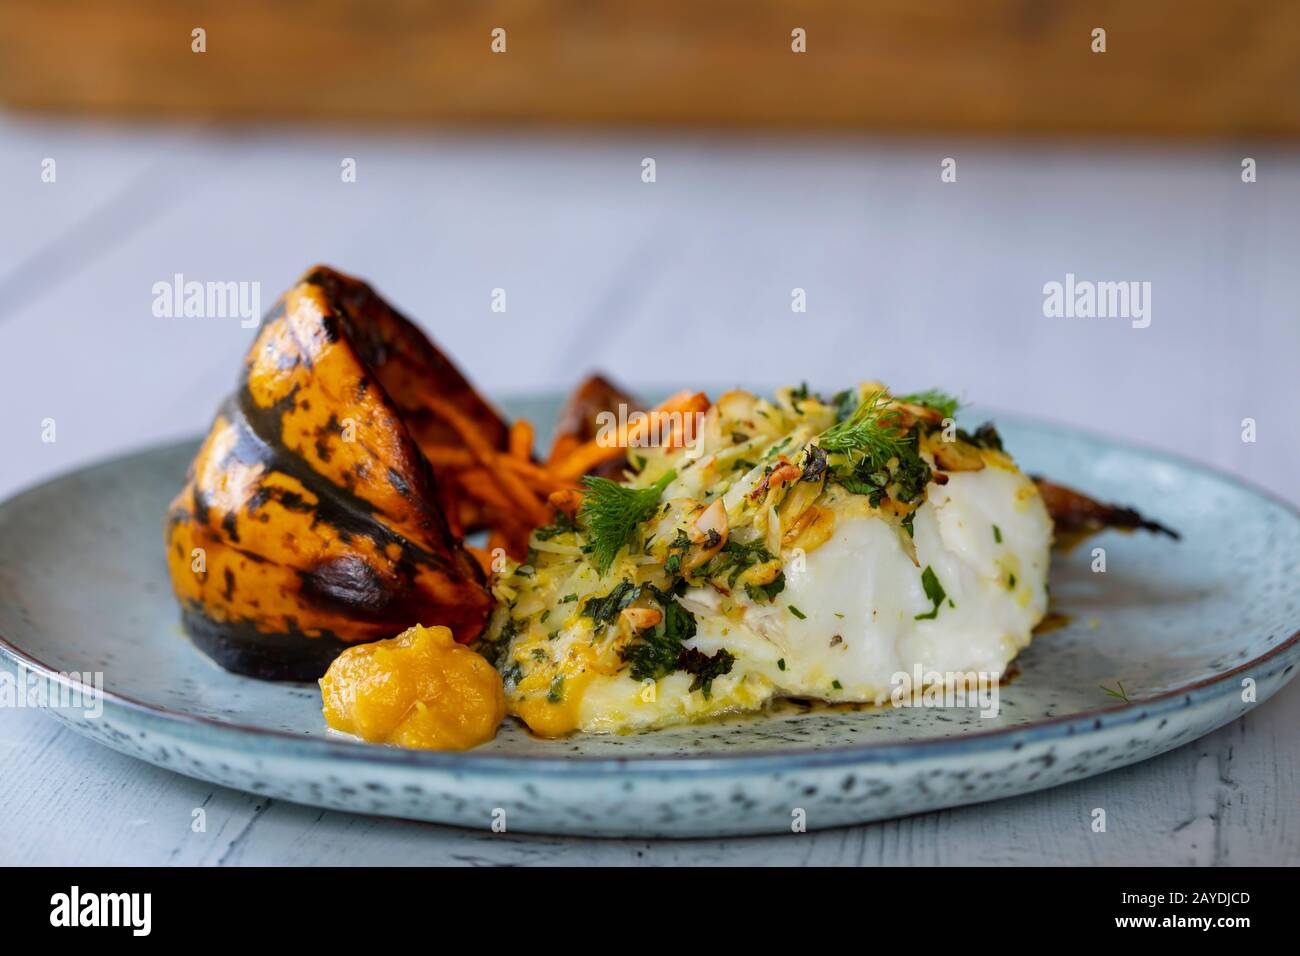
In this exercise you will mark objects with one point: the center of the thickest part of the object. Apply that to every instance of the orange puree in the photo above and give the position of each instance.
(419, 689)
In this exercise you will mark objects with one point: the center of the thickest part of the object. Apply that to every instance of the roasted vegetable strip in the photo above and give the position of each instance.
(1076, 516)
(665, 419)
(579, 420)
(521, 440)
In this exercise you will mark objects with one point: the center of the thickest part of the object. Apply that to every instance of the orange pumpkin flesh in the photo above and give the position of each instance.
(310, 519)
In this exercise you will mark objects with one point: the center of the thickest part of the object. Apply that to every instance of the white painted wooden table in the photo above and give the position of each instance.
(687, 279)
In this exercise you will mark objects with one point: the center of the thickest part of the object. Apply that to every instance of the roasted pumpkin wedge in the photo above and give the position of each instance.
(310, 518)
(417, 376)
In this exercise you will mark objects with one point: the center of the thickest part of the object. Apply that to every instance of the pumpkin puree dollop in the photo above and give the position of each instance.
(419, 689)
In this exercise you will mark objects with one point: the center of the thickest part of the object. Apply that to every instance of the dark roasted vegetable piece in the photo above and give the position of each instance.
(309, 520)
(1076, 515)
(405, 362)
(577, 422)
(409, 368)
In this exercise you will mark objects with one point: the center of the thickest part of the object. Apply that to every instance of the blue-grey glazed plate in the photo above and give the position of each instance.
(1196, 631)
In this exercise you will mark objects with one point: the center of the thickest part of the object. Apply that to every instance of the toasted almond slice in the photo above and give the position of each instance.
(640, 618)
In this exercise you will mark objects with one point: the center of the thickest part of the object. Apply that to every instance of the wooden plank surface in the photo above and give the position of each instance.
(908, 279)
(1202, 67)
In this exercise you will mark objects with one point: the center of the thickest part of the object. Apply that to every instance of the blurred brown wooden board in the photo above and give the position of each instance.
(1171, 67)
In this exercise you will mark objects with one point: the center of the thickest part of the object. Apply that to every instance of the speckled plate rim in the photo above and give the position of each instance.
(264, 741)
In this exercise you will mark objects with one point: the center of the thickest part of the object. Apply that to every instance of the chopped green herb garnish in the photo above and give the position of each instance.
(733, 560)
(765, 593)
(986, 436)
(837, 685)
(556, 692)
(611, 513)
(814, 463)
(705, 668)
(845, 402)
(780, 664)
(676, 551)
(870, 434)
(563, 523)
(655, 652)
(797, 613)
(943, 403)
(874, 455)
(997, 534)
(1011, 582)
(495, 651)
(934, 591)
(905, 480)
(777, 448)
(603, 610)
(1119, 694)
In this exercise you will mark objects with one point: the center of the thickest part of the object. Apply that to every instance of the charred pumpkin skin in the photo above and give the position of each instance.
(314, 509)
(406, 363)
